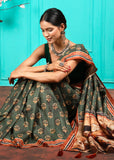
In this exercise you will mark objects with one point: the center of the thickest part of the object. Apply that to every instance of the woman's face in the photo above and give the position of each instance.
(50, 32)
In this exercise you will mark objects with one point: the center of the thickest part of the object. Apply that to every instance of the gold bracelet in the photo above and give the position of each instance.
(45, 69)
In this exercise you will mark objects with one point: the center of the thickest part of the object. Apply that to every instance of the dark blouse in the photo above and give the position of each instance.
(77, 75)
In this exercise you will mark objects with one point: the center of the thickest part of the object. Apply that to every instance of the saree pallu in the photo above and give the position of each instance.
(75, 117)
(93, 125)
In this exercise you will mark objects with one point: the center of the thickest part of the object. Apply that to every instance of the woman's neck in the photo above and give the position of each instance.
(60, 45)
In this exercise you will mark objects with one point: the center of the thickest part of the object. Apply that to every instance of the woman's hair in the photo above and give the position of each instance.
(54, 16)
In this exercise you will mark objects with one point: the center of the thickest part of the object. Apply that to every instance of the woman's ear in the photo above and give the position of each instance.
(62, 26)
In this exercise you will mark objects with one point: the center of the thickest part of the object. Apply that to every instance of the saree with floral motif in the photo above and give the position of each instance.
(76, 114)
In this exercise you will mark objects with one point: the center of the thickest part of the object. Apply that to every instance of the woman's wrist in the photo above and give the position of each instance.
(46, 66)
(49, 68)
(23, 74)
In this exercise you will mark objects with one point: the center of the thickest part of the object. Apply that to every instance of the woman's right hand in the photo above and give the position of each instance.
(59, 66)
(15, 75)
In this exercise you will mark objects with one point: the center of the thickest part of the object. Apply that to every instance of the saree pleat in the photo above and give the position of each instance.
(75, 117)
(95, 122)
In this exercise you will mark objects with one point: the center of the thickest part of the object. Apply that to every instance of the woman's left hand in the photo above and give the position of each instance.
(59, 66)
(14, 75)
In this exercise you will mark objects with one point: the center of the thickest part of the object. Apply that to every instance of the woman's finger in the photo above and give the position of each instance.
(67, 66)
(11, 80)
(63, 69)
(64, 65)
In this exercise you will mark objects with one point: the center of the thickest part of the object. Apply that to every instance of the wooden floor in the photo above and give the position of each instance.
(45, 153)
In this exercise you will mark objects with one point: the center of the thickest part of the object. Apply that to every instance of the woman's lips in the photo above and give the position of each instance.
(48, 39)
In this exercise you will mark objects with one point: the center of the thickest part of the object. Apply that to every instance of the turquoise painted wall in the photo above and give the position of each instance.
(89, 22)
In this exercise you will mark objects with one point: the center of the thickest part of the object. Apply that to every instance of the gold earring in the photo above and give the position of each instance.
(63, 36)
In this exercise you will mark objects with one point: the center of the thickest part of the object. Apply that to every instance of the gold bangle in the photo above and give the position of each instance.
(45, 69)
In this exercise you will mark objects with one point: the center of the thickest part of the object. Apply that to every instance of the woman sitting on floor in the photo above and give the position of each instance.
(62, 103)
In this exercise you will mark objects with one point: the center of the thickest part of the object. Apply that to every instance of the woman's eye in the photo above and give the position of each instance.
(50, 30)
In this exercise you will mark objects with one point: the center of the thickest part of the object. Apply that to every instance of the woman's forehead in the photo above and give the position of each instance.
(45, 24)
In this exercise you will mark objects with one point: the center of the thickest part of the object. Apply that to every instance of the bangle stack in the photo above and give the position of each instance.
(45, 69)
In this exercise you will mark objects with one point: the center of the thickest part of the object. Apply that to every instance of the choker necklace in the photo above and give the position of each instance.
(62, 52)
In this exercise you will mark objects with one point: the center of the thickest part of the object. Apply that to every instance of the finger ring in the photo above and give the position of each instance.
(61, 64)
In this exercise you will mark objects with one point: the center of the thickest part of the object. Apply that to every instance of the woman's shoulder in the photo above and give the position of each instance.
(41, 46)
(72, 44)
(78, 47)
(39, 51)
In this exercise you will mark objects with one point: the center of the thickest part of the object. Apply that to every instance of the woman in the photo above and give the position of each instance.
(62, 103)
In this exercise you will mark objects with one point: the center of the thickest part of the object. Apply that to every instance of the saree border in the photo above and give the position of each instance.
(17, 142)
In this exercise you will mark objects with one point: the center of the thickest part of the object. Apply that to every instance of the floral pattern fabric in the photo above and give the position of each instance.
(76, 117)
(32, 115)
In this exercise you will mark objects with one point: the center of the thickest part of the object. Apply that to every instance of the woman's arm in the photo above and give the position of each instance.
(32, 59)
(27, 65)
(45, 77)
(51, 67)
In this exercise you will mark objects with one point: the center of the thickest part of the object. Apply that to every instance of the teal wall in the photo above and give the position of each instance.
(90, 22)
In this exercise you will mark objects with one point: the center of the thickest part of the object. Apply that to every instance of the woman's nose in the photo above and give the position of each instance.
(46, 34)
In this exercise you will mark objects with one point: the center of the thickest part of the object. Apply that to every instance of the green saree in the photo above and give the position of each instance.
(75, 114)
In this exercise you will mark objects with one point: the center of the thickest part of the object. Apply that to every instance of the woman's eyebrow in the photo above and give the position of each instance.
(47, 28)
